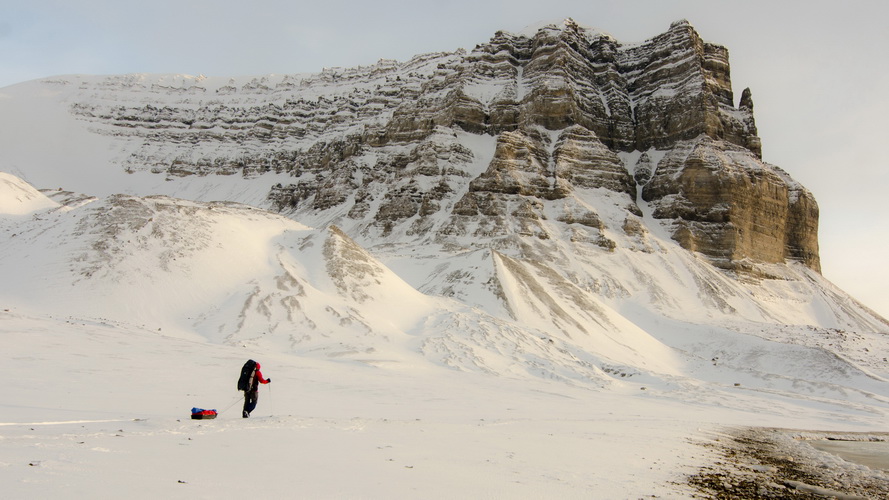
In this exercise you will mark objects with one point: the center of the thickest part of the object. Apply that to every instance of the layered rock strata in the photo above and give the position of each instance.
(727, 204)
(497, 140)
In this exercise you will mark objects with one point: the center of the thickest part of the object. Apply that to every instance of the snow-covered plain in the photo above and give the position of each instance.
(101, 409)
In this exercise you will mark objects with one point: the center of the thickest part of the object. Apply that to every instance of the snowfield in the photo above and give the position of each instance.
(101, 409)
(324, 429)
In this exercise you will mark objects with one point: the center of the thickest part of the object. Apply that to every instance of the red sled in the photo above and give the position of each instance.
(202, 414)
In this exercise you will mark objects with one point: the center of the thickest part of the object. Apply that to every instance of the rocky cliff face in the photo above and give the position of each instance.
(673, 87)
(733, 208)
(500, 143)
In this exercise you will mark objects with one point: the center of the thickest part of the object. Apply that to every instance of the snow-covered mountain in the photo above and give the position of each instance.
(552, 205)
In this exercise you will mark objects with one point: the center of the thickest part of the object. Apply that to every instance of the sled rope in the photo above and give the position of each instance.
(237, 398)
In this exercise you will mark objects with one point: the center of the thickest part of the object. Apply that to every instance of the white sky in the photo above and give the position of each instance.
(819, 72)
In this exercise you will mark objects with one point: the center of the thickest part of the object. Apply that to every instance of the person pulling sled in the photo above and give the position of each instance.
(249, 382)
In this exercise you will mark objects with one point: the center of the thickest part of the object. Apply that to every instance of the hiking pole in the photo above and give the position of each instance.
(271, 403)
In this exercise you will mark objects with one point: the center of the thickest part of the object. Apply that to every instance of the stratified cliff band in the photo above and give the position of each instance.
(399, 148)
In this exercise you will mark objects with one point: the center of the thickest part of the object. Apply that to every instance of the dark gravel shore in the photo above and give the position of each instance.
(762, 463)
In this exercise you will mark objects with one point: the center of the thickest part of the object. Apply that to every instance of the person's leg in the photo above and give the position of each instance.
(250, 398)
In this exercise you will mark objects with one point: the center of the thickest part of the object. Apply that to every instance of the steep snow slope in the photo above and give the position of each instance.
(231, 273)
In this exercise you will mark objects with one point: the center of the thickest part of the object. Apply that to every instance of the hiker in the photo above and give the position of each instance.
(249, 382)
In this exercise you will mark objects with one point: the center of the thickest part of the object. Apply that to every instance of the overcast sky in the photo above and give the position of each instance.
(818, 71)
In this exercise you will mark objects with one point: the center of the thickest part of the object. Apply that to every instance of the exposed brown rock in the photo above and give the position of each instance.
(730, 206)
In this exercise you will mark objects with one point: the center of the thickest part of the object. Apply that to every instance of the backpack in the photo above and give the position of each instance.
(246, 375)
